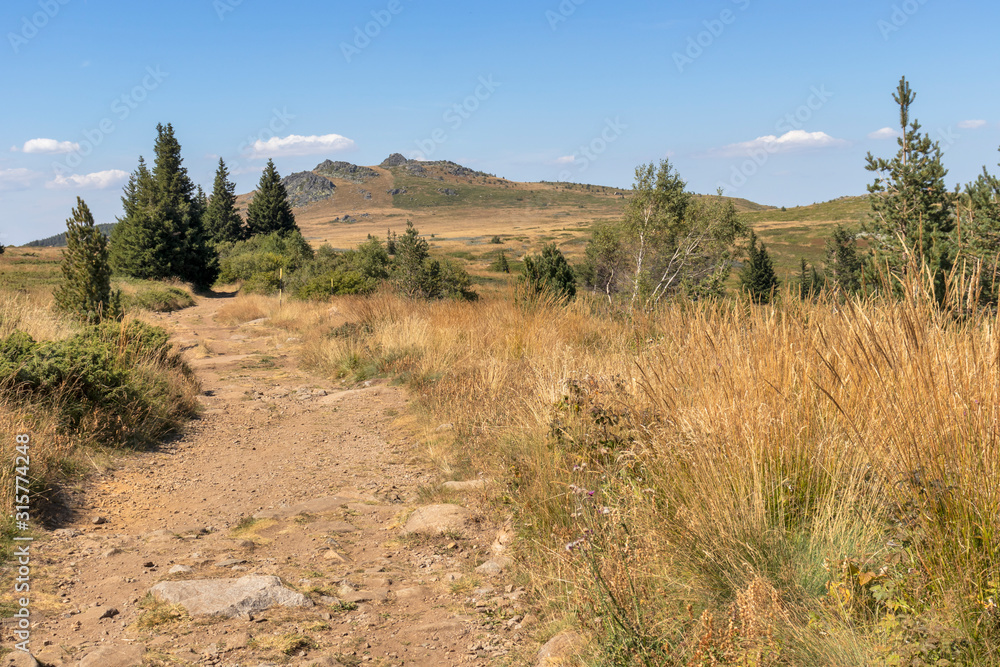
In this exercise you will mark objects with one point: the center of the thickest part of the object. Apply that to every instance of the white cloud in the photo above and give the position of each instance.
(786, 143)
(972, 124)
(884, 133)
(566, 159)
(295, 144)
(17, 179)
(48, 146)
(99, 180)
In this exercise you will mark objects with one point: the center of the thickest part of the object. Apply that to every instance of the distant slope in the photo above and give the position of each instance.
(850, 210)
(59, 240)
(801, 232)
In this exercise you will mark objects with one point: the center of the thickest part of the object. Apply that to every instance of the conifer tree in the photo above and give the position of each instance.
(811, 283)
(758, 277)
(161, 234)
(912, 211)
(86, 289)
(500, 264)
(843, 263)
(140, 242)
(269, 211)
(222, 222)
(549, 272)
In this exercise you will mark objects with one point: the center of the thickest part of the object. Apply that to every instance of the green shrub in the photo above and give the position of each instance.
(258, 261)
(115, 380)
(159, 299)
(549, 272)
(331, 273)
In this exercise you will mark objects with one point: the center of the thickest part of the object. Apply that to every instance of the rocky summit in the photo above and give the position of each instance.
(305, 187)
(346, 171)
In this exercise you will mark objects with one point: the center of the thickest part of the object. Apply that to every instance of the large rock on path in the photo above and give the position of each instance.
(229, 598)
(437, 519)
(314, 506)
(114, 656)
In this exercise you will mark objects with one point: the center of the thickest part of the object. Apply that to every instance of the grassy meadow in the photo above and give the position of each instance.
(713, 483)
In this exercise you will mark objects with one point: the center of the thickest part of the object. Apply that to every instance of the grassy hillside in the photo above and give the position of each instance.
(802, 231)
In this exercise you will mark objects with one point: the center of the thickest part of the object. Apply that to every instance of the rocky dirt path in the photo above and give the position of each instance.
(284, 475)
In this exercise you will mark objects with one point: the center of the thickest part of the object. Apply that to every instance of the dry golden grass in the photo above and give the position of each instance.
(33, 314)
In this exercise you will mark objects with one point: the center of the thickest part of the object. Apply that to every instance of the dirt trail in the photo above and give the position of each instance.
(272, 437)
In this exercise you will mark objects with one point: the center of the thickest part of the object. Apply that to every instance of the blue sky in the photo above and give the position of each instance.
(775, 101)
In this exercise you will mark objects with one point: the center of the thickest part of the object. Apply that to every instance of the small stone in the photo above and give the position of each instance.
(99, 521)
(560, 649)
(490, 568)
(149, 564)
(180, 569)
(469, 485)
(19, 659)
(334, 556)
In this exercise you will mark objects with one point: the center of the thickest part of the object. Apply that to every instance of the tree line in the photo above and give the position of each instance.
(668, 243)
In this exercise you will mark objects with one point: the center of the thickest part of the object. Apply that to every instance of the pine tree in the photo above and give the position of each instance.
(500, 264)
(550, 272)
(140, 242)
(222, 222)
(86, 289)
(843, 263)
(161, 234)
(269, 210)
(912, 211)
(758, 277)
(811, 283)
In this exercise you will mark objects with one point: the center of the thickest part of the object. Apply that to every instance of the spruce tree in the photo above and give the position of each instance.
(140, 242)
(500, 264)
(550, 272)
(269, 211)
(86, 289)
(222, 223)
(161, 234)
(758, 277)
(843, 263)
(913, 213)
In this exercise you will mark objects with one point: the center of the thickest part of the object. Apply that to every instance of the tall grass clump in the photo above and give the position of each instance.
(719, 482)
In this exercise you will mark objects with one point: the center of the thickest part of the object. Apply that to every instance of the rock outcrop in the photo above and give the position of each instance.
(305, 187)
(346, 171)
